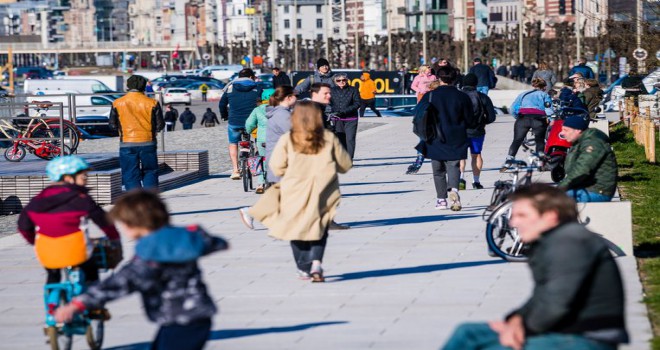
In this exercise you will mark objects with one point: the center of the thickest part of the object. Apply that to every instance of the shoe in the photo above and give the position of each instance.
(507, 163)
(441, 204)
(477, 186)
(246, 218)
(317, 274)
(336, 226)
(302, 275)
(235, 175)
(461, 184)
(259, 189)
(455, 201)
(413, 169)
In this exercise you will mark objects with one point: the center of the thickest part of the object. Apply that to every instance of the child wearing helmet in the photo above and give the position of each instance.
(257, 122)
(52, 220)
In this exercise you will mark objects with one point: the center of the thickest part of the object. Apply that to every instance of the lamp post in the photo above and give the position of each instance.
(466, 32)
(424, 31)
(389, 35)
(295, 34)
(577, 29)
(520, 31)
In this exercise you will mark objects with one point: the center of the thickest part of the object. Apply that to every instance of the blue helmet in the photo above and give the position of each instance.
(65, 165)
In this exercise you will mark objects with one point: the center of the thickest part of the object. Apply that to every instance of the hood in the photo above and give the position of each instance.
(324, 76)
(244, 84)
(273, 111)
(171, 244)
(60, 194)
(366, 75)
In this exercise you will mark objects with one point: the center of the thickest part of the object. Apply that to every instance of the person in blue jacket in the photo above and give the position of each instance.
(582, 68)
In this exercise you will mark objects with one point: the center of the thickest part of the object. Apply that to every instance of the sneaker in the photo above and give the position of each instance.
(461, 184)
(304, 275)
(441, 204)
(477, 186)
(336, 226)
(246, 218)
(317, 274)
(455, 201)
(413, 169)
(235, 175)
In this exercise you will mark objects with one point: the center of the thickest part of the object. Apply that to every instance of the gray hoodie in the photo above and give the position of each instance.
(279, 123)
(547, 75)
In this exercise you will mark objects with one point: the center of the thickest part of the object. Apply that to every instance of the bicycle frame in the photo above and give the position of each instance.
(56, 293)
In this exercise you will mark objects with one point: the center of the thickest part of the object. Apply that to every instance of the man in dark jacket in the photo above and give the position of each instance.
(582, 68)
(578, 298)
(323, 74)
(593, 95)
(453, 110)
(243, 95)
(484, 113)
(591, 167)
(171, 116)
(345, 103)
(280, 78)
(209, 119)
(187, 119)
(485, 76)
(138, 119)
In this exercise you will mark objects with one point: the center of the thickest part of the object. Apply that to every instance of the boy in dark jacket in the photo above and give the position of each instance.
(187, 119)
(209, 119)
(171, 116)
(164, 271)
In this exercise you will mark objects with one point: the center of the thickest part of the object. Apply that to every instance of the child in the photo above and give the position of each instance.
(164, 271)
(52, 220)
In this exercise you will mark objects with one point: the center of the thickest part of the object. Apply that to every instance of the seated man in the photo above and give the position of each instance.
(578, 299)
(590, 163)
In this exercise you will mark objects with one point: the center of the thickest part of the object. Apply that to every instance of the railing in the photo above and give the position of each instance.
(14, 132)
(99, 45)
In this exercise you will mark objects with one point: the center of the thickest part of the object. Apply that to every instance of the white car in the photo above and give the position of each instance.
(176, 95)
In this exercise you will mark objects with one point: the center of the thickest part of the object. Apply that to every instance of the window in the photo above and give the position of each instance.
(287, 37)
(319, 37)
(297, 9)
(100, 101)
(299, 23)
(299, 37)
(286, 8)
(318, 8)
(319, 23)
(287, 25)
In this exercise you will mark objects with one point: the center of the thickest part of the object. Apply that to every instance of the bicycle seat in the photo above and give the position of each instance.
(42, 104)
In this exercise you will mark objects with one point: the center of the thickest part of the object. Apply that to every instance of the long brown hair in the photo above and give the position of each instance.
(307, 128)
(282, 92)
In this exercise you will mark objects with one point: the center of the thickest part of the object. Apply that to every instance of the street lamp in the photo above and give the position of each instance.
(389, 34)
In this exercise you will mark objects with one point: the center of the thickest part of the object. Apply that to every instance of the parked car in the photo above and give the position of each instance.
(95, 127)
(177, 95)
(194, 85)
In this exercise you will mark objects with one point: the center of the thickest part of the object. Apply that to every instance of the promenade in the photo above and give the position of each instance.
(402, 277)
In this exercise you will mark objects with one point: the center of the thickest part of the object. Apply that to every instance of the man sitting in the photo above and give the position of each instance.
(578, 299)
(590, 164)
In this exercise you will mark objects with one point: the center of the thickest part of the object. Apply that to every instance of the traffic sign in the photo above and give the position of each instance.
(640, 54)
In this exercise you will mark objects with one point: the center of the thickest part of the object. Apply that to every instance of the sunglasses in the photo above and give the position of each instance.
(341, 80)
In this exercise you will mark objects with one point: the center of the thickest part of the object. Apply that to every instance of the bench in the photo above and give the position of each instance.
(611, 220)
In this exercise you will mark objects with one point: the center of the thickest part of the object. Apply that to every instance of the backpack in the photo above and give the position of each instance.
(427, 126)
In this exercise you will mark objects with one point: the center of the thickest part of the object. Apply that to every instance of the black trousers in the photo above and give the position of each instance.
(89, 268)
(346, 130)
(522, 126)
(304, 252)
(192, 336)
(371, 103)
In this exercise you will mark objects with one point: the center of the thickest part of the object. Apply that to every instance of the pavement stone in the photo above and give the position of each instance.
(402, 277)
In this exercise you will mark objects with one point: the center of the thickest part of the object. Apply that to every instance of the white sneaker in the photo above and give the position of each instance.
(246, 218)
(441, 204)
(455, 201)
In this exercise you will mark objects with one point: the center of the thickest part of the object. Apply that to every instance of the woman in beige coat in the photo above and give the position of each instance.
(300, 207)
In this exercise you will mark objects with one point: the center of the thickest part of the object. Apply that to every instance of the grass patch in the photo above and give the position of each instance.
(639, 182)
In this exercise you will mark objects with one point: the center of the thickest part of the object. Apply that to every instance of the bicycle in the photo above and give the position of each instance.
(246, 150)
(90, 323)
(257, 166)
(502, 239)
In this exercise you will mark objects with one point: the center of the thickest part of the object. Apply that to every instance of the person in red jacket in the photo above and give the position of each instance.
(51, 221)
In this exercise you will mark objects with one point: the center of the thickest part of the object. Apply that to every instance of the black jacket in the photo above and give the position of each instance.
(345, 102)
(456, 115)
(171, 116)
(483, 109)
(187, 117)
(210, 117)
(281, 79)
(484, 74)
(577, 287)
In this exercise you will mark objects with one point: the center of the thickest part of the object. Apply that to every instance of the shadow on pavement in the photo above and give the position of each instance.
(370, 183)
(409, 270)
(204, 211)
(408, 220)
(384, 158)
(380, 164)
(376, 193)
(238, 333)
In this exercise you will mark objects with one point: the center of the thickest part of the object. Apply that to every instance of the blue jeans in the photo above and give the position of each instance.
(139, 167)
(473, 336)
(192, 336)
(483, 89)
(583, 196)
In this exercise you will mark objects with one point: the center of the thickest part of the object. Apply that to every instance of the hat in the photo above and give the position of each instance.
(577, 122)
(366, 75)
(322, 62)
(136, 82)
(470, 79)
(477, 60)
(576, 75)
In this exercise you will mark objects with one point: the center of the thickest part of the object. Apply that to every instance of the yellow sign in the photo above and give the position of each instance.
(250, 11)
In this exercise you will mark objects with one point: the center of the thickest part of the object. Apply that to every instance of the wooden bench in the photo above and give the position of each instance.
(611, 220)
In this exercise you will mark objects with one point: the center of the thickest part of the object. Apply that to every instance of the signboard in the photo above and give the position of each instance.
(640, 54)
(387, 82)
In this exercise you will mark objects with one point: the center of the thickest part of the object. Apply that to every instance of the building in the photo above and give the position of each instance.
(306, 20)
(437, 15)
(81, 20)
(42, 18)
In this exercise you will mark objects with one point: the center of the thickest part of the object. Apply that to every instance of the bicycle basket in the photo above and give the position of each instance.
(106, 255)
(255, 164)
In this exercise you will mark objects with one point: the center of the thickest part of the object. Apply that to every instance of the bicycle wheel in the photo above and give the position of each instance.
(15, 153)
(246, 175)
(502, 239)
(94, 334)
(58, 340)
(51, 128)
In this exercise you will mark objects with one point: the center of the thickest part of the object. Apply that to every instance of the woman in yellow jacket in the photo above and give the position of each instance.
(368, 94)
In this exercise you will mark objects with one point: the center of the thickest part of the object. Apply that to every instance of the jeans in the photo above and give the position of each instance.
(483, 89)
(371, 103)
(473, 336)
(192, 336)
(139, 167)
(304, 252)
(169, 126)
(581, 195)
(346, 130)
(522, 126)
(446, 174)
(187, 126)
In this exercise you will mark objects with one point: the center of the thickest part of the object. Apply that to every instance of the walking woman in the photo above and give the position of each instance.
(420, 84)
(278, 113)
(544, 72)
(301, 206)
(530, 111)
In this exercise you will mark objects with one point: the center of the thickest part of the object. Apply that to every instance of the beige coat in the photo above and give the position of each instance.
(301, 206)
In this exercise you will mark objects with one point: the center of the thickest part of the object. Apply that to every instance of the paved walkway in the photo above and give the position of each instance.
(402, 278)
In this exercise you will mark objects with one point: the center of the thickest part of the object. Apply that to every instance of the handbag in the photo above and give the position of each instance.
(427, 126)
(256, 165)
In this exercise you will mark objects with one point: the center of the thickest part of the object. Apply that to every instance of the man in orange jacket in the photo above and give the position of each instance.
(368, 95)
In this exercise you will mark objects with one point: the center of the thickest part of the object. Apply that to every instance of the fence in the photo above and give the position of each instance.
(642, 122)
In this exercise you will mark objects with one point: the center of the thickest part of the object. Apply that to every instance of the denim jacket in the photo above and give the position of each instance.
(531, 102)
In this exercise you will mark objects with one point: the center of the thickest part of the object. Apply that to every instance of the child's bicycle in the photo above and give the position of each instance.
(89, 323)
